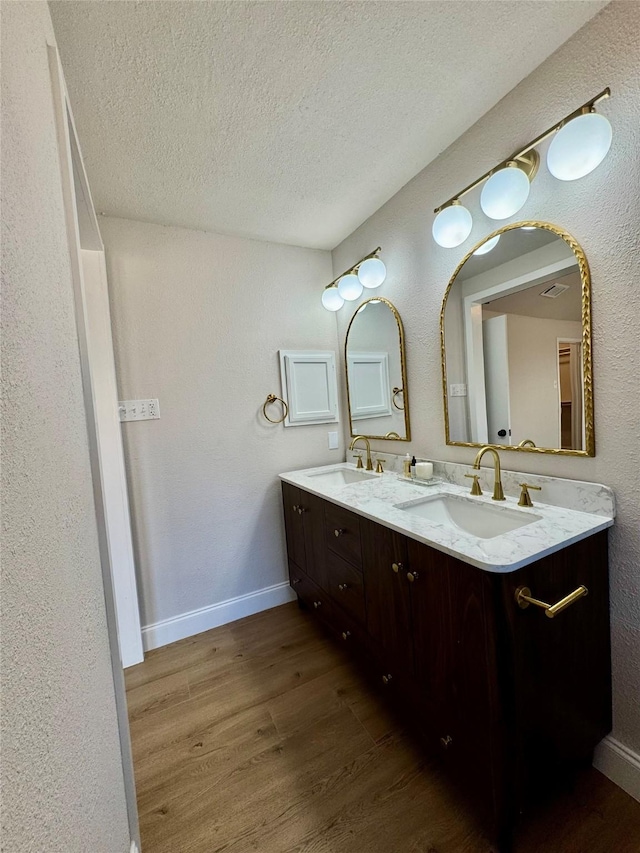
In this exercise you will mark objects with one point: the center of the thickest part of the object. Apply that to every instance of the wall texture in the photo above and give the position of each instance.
(198, 321)
(602, 212)
(62, 780)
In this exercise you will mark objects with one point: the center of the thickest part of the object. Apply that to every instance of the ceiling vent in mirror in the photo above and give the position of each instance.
(555, 290)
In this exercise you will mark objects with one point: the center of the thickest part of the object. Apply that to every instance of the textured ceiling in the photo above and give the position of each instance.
(286, 121)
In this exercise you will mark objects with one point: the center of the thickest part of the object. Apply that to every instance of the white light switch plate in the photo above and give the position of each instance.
(138, 410)
(459, 390)
(333, 440)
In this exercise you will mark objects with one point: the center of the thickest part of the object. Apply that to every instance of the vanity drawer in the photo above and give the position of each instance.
(310, 594)
(346, 585)
(343, 533)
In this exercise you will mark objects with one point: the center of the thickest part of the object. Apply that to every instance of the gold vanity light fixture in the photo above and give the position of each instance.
(581, 142)
(368, 272)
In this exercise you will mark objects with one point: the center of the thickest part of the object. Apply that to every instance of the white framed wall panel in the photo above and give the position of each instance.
(309, 387)
(369, 386)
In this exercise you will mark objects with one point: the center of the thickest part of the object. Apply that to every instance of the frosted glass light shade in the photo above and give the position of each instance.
(349, 287)
(505, 193)
(331, 299)
(452, 226)
(488, 246)
(372, 272)
(579, 147)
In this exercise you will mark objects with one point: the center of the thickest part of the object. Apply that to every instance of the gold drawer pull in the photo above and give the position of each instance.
(386, 678)
(397, 567)
(338, 532)
(446, 741)
(524, 599)
(346, 635)
(412, 576)
(317, 604)
(343, 587)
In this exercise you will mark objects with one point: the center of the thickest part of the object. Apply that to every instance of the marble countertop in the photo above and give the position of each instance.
(554, 527)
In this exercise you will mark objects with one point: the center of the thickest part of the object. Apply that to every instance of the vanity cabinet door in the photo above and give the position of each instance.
(432, 637)
(473, 721)
(294, 525)
(387, 595)
(313, 510)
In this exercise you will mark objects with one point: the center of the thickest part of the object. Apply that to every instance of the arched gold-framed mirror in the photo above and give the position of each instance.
(515, 332)
(376, 372)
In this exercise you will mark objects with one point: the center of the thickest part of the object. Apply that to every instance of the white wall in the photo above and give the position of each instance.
(602, 211)
(198, 321)
(533, 377)
(62, 777)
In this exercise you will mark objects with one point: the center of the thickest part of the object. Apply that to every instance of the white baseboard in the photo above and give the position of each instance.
(620, 764)
(187, 624)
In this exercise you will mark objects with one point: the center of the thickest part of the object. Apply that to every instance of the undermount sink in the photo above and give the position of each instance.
(342, 477)
(479, 519)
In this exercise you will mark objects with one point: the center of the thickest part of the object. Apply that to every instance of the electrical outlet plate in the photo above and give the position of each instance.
(333, 440)
(458, 390)
(139, 410)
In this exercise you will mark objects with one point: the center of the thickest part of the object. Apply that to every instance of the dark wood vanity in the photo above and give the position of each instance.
(511, 701)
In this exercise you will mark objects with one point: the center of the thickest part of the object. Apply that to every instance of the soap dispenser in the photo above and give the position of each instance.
(406, 465)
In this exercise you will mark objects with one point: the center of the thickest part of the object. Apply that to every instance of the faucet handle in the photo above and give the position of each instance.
(359, 462)
(379, 468)
(525, 497)
(475, 488)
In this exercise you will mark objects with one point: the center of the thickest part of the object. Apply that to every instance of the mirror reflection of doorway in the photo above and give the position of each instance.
(571, 423)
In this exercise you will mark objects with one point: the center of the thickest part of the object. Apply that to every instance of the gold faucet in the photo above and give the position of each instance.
(368, 446)
(526, 442)
(498, 493)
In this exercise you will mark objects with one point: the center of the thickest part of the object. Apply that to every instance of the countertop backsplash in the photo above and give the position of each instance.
(556, 491)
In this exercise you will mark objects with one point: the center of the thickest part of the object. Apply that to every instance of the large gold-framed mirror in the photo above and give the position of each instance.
(376, 372)
(515, 331)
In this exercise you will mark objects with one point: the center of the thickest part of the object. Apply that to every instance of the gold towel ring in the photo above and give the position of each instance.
(272, 399)
(397, 391)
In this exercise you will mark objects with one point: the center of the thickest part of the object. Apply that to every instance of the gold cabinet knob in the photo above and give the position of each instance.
(412, 577)
(295, 581)
(338, 532)
(343, 587)
(386, 678)
(295, 507)
(396, 567)
(346, 635)
(301, 509)
(317, 604)
(446, 741)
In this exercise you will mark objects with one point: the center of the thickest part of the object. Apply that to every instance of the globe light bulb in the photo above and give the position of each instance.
(488, 246)
(372, 272)
(349, 287)
(579, 147)
(331, 299)
(505, 193)
(452, 226)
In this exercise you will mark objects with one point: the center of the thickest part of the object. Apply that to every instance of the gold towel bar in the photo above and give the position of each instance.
(272, 399)
(524, 599)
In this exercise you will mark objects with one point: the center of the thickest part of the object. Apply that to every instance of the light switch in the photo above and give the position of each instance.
(138, 410)
(333, 440)
(459, 390)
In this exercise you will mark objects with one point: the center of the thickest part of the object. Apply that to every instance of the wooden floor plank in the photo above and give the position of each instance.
(262, 737)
